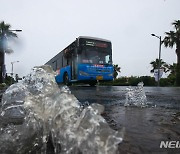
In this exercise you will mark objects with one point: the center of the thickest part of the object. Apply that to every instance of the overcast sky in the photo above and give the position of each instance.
(50, 26)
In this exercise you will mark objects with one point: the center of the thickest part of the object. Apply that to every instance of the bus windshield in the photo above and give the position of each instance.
(95, 55)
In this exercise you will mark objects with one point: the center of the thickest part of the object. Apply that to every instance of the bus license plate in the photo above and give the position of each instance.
(99, 77)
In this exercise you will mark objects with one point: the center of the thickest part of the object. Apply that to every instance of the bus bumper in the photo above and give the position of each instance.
(96, 77)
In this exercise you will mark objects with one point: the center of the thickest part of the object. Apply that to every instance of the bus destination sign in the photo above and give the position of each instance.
(96, 44)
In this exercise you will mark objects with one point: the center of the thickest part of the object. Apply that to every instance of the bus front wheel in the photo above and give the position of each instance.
(66, 79)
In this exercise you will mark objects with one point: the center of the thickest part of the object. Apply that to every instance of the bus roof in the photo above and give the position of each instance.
(93, 38)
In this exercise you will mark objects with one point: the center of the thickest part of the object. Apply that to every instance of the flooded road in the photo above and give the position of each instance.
(38, 116)
(144, 128)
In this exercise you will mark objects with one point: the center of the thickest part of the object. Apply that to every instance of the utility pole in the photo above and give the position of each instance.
(159, 63)
(12, 69)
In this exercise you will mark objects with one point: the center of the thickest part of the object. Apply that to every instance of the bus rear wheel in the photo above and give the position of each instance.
(66, 79)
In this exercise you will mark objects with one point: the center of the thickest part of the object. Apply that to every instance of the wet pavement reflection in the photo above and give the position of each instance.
(144, 128)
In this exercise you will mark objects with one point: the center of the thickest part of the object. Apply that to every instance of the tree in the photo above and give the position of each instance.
(116, 70)
(172, 39)
(5, 33)
(172, 68)
(172, 74)
(155, 64)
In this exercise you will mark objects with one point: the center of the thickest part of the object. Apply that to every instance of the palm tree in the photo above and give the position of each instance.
(116, 70)
(5, 33)
(155, 65)
(172, 39)
(172, 69)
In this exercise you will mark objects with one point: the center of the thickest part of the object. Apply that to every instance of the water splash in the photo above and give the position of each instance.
(48, 111)
(136, 96)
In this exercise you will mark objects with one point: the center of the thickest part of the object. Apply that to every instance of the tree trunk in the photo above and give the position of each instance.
(178, 67)
(2, 66)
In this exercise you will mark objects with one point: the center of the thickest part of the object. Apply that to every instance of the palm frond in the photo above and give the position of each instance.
(9, 51)
(155, 65)
(11, 34)
(170, 39)
(4, 27)
(5, 30)
(5, 34)
(176, 24)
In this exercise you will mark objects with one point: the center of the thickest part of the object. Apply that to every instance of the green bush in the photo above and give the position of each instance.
(177, 75)
(164, 82)
(9, 80)
(2, 85)
(147, 80)
(131, 81)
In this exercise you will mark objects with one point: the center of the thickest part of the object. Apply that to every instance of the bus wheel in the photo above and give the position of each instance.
(92, 84)
(66, 79)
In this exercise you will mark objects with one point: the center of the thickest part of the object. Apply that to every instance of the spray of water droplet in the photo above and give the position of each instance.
(136, 96)
(50, 112)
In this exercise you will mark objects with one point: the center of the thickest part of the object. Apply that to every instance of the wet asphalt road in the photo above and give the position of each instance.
(144, 128)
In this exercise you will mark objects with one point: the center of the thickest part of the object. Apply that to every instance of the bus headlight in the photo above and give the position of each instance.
(110, 74)
(83, 73)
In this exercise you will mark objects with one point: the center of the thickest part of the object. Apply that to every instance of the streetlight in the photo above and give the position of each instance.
(2, 59)
(12, 63)
(159, 37)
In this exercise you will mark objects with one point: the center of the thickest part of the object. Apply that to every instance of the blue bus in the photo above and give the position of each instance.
(86, 60)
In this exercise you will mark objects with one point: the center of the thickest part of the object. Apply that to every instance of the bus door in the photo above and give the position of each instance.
(74, 68)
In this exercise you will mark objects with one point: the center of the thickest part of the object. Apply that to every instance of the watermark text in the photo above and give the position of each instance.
(170, 144)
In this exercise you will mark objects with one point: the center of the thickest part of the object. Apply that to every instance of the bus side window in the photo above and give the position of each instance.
(54, 65)
(58, 63)
(67, 61)
(62, 62)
